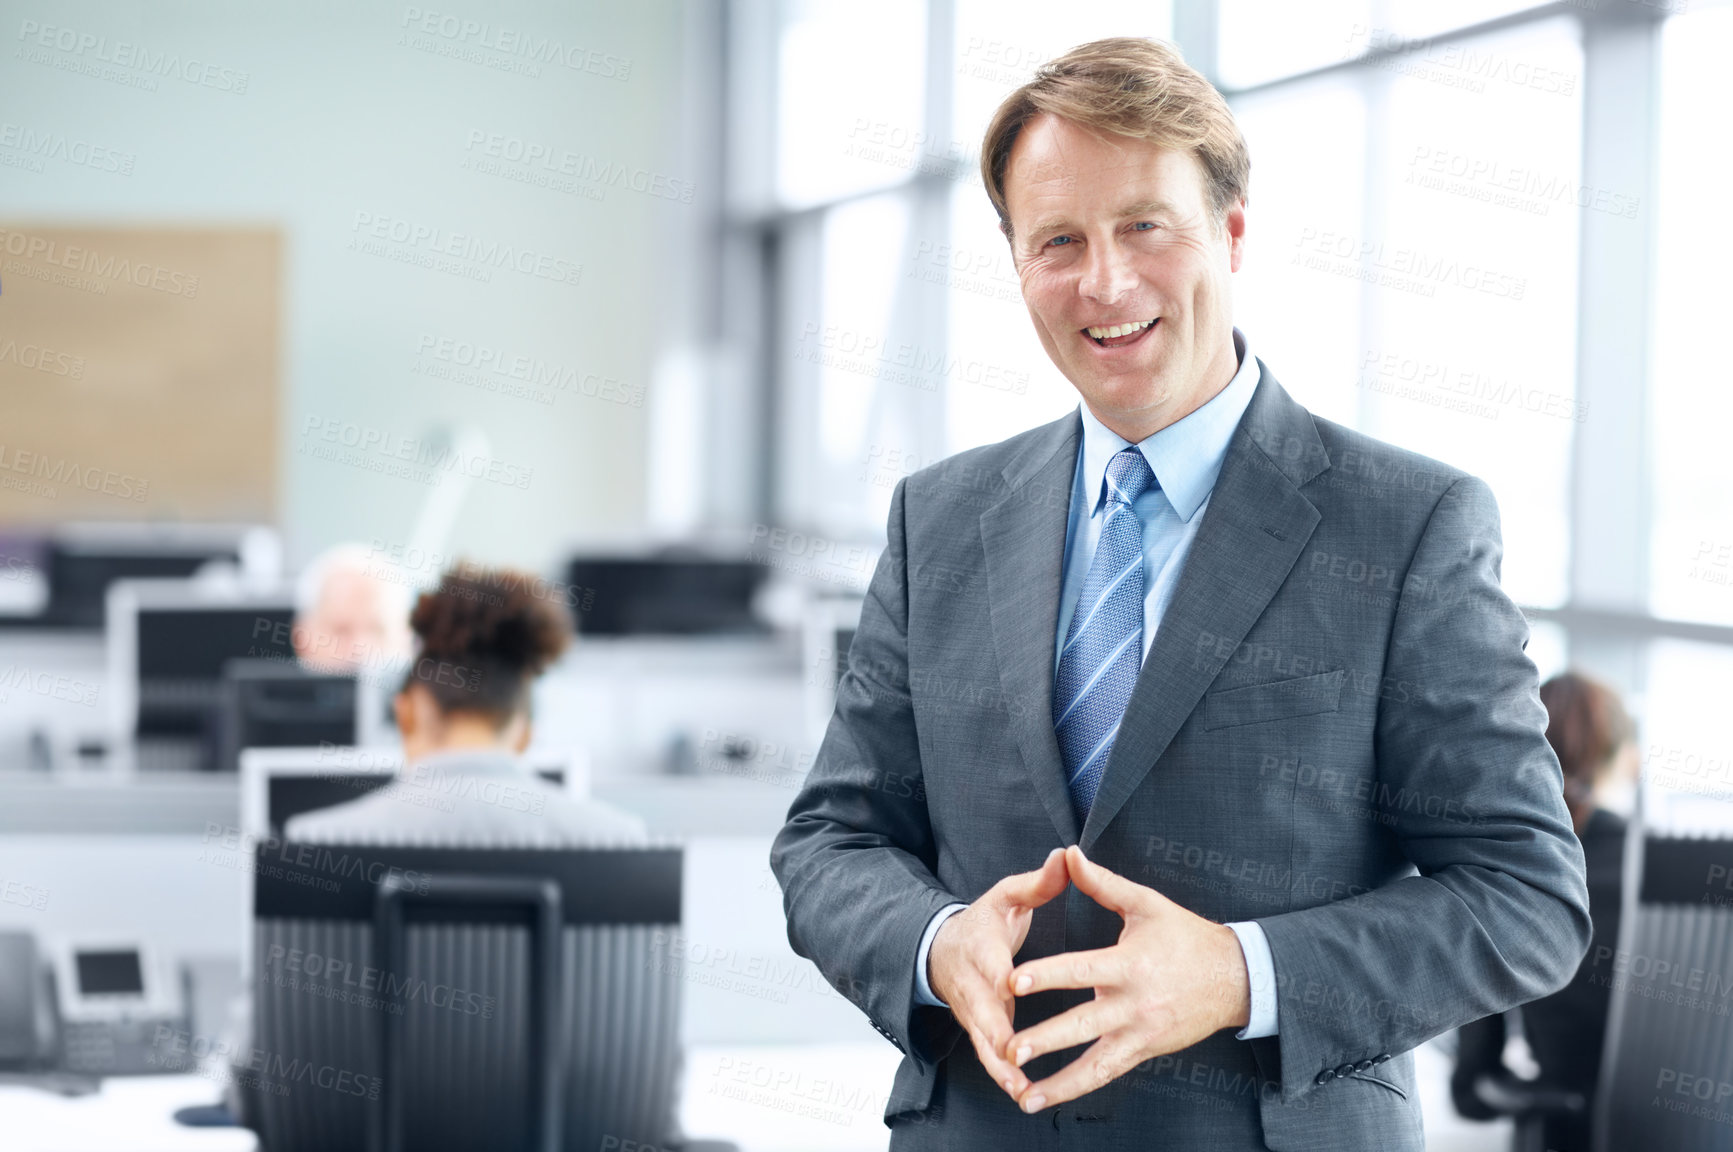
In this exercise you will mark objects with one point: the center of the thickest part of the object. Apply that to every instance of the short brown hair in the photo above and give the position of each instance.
(1128, 86)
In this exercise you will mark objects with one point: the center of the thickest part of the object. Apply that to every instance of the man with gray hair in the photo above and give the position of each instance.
(1147, 827)
(351, 613)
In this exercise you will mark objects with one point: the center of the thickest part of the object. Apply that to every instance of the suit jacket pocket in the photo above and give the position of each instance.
(1396, 1088)
(1276, 700)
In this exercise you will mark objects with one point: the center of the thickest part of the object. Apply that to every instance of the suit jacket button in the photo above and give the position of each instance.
(1363, 1065)
(1326, 1076)
(1381, 1057)
(1345, 1070)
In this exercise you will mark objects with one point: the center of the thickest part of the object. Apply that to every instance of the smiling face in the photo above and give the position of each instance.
(1125, 271)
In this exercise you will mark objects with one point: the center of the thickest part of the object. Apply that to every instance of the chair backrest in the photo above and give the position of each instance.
(455, 991)
(1667, 1073)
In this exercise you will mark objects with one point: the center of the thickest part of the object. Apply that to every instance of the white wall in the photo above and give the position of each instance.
(342, 114)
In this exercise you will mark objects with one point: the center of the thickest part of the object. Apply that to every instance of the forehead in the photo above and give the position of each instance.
(349, 588)
(1057, 163)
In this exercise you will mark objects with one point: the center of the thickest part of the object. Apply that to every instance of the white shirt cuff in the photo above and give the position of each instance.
(1261, 972)
(923, 990)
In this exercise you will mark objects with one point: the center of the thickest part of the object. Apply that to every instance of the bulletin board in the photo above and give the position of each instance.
(139, 372)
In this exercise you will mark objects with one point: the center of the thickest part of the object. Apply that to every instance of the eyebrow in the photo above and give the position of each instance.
(1155, 207)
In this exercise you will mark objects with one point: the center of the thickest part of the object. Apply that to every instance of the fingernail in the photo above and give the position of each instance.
(1023, 1054)
(1034, 1103)
(1024, 983)
(1010, 1086)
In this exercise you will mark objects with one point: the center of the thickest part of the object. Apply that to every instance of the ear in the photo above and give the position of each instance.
(1235, 225)
(521, 742)
(298, 632)
(417, 712)
(403, 710)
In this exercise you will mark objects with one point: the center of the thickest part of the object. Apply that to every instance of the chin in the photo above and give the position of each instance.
(1127, 396)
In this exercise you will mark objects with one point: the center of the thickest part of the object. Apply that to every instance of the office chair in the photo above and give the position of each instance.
(1527, 1103)
(1667, 1076)
(1669, 1036)
(430, 998)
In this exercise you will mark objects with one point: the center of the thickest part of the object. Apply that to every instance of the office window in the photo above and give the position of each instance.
(1264, 40)
(1686, 746)
(1469, 354)
(1411, 268)
(1691, 405)
(1297, 301)
(849, 120)
(1420, 19)
(855, 365)
(1548, 648)
(1268, 40)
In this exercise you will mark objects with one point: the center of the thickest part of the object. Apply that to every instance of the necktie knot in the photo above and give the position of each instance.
(1128, 476)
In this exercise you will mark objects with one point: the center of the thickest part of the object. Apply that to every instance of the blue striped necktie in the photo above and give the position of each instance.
(1104, 644)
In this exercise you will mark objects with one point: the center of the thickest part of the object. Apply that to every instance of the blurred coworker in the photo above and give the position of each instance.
(464, 714)
(1589, 730)
(350, 614)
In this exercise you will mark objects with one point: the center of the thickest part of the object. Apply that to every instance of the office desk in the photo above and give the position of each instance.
(128, 1114)
(789, 1097)
(767, 1098)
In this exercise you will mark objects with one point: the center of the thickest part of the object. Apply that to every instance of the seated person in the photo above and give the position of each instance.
(350, 615)
(1590, 732)
(464, 714)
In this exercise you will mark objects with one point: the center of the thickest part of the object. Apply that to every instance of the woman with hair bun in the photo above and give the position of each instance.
(482, 639)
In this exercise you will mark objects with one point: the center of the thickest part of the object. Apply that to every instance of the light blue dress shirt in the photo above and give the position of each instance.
(1186, 458)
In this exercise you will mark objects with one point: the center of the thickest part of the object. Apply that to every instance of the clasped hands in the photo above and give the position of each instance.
(1171, 980)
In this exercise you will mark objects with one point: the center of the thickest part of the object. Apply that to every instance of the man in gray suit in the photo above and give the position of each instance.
(1188, 761)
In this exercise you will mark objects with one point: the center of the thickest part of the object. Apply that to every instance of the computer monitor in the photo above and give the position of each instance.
(278, 784)
(168, 641)
(668, 596)
(23, 577)
(275, 704)
(77, 563)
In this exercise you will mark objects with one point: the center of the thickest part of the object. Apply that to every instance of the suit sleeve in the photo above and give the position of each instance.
(856, 856)
(1498, 914)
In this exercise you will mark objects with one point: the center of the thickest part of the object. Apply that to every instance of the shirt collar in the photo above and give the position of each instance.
(473, 762)
(1187, 455)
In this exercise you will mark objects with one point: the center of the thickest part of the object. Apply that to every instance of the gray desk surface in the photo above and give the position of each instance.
(127, 1114)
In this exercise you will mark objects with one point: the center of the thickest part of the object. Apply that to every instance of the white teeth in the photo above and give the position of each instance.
(1113, 330)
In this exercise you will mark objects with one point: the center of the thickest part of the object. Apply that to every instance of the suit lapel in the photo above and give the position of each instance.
(1023, 536)
(1254, 529)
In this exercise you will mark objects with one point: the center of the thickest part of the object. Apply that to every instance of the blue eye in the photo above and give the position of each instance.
(1142, 225)
(1060, 240)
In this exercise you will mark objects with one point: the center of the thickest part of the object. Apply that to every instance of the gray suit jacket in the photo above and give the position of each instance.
(1336, 733)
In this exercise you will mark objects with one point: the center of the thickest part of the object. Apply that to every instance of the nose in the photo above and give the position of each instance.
(1107, 274)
